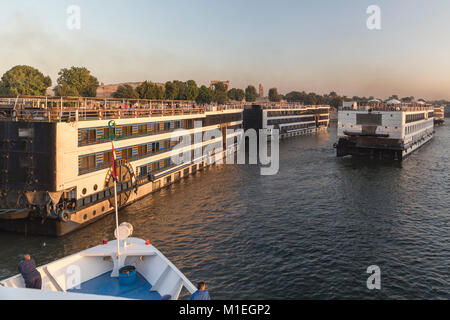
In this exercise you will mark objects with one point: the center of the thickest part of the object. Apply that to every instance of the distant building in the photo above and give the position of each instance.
(261, 90)
(106, 91)
(226, 83)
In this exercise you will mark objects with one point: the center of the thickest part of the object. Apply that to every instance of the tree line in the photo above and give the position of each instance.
(179, 90)
(79, 82)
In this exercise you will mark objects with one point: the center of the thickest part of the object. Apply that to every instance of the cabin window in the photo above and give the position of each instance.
(106, 133)
(127, 153)
(107, 157)
(142, 171)
(155, 146)
(155, 166)
(188, 124)
(88, 136)
(127, 131)
(166, 126)
(87, 162)
(166, 144)
(142, 129)
(142, 150)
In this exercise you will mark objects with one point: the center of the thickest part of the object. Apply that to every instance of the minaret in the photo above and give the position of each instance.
(261, 90)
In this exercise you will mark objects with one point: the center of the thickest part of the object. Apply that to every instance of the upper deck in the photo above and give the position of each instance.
(74, 109)
(386, 107)
(384, 120)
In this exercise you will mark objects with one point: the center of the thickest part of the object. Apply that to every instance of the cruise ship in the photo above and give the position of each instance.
(290, 119)
(56, 155)
(384, 130)
(439, 116)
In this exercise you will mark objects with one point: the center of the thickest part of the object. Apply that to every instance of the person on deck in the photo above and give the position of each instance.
(32, 277)
(201, 293)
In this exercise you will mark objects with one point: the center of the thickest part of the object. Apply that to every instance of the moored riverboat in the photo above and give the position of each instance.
(56, 155)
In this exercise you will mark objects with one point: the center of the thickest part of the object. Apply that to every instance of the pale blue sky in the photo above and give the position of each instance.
(293, 45)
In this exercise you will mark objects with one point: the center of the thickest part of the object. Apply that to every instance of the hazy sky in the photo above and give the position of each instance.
(311, 45)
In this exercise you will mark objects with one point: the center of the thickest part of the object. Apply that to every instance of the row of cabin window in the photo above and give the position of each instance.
(153, 167)
(415, 127)
(100, 134)
(156, 166)
(289, 120)
(90, 161)
(299, 126)
(414, 117)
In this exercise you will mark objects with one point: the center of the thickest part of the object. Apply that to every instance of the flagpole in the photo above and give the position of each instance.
(117, 216)
(115, 197)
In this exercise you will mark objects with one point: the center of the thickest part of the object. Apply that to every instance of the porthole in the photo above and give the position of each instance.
(94, 213)
(84, 191)
(95, 187)
(85, 217)
(103, 209)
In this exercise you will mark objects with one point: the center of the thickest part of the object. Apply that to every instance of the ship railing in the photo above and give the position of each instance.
(389, 108)
(78, 109)
(89, 114)
(294, 106)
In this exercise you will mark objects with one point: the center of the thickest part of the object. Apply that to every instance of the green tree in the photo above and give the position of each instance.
(407, 99)
(336, 102)
(273, 95)
(250, 93)
(236, 94)
(171, 90)
(76, 81)
(205, 95)
(296, 96)
(181, 90)
(150, 90)
(191, 90)
(24, 80)
(394, 96)
(125, 92)
(220, 93)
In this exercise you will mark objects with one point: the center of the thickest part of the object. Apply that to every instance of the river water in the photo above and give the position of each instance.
(309, 232)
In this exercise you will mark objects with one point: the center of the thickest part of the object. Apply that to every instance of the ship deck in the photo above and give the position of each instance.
(105, 285)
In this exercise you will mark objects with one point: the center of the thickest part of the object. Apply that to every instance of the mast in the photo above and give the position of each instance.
(112, 137)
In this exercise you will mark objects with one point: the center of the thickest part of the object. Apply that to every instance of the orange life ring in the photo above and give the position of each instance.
(100, 114)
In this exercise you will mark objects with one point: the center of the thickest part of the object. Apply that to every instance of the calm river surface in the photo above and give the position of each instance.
(309, 232)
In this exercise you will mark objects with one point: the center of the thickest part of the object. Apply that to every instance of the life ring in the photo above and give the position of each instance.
(64, 216)
(100, 114)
